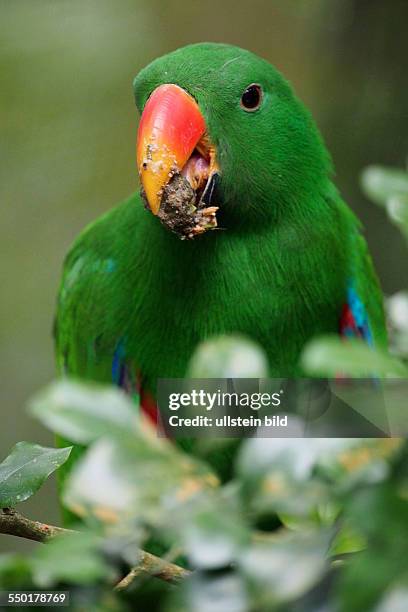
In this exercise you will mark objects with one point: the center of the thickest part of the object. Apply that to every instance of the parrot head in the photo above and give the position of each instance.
(229, 124)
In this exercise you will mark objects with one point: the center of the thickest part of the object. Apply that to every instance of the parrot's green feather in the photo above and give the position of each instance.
(278, 270)
(128, 278)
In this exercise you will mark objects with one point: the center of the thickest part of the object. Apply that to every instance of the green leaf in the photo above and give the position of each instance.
(380, 514)
(379, 183)
(388, 187)
(203, 592)
(213, 540)
(74, 558)
(397, 316)
(212, 529)
(101, 482)
(278, 475)
(397, 310)
(294, 457)
(285, 566)
(228, 357)
(84, 412)
(347, 541)
(397, 208)
(301, 482)
(26, 468)
(331, 356)
(144, 477)
(394, 600)
(15, 571)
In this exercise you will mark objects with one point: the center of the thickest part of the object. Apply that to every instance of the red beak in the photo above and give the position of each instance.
(171, 127)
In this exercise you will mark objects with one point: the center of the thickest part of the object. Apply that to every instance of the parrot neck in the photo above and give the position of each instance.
(267, 283)
(249, 251)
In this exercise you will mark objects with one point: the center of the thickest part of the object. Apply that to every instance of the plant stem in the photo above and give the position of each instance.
(14, 523)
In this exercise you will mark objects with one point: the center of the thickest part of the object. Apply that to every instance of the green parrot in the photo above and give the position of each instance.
(238, 229)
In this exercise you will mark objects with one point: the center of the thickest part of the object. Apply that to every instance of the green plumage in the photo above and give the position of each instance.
(277, 271)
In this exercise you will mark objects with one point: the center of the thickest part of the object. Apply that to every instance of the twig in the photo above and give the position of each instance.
(154, 566)
(14, 523)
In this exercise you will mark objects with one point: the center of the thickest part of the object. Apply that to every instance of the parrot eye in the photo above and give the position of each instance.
(252, 97)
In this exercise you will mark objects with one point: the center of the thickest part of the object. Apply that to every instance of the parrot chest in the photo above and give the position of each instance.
(231, 290)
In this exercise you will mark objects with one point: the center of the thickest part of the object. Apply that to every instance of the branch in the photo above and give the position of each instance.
(154, 566)
(14, 523)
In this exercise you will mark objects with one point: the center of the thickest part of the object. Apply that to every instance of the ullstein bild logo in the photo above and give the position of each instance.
(228, 421)
(367, 408)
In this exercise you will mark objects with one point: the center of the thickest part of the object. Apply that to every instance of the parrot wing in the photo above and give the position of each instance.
(93, 310)
(362, 315)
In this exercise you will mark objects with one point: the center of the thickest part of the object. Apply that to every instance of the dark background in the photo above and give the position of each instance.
(68, 126)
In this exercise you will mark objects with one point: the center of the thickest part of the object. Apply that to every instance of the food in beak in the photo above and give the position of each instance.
(177, 163)
(180, 213)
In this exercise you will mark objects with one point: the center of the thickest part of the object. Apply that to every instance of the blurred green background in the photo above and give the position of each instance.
(68, 126)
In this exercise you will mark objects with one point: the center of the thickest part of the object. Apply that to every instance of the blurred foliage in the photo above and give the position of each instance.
(228, 357)
(388, 188)
(69, 124)
(131, 485)
(302, 525)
